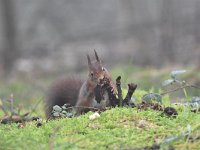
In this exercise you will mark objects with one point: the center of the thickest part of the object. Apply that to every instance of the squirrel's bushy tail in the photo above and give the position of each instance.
(62, 92)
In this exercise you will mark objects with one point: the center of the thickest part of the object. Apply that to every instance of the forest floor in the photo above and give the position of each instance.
(116, 128)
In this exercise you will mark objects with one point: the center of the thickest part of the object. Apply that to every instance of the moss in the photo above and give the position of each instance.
(116, 128)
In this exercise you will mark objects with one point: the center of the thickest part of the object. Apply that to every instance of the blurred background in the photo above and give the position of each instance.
(41, 40)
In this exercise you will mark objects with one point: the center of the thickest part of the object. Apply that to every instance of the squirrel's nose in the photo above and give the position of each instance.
(100, 77)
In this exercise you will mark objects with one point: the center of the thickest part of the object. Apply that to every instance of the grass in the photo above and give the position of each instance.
(118, 128)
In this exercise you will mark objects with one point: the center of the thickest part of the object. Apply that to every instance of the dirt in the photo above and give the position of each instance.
(170, 111)
(144, 106)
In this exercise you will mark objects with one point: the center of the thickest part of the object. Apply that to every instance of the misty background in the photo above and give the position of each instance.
(52, 35)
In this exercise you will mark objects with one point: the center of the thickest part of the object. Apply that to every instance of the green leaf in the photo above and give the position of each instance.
(56, 114)
(57, 108)
(167, 82)
(64, 112)
(64, 108)
(69, 115)
(152, 97)
(177, 72)
(195, 102)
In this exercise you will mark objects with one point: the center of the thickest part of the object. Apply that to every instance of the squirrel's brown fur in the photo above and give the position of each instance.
(62, 92)
(75, 92)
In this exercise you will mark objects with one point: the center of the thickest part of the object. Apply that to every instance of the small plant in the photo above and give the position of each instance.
(64, 111)
(182, 83)
(174, 78)
(194, 104)
(13, 114)
(186, 134)
(152, 97)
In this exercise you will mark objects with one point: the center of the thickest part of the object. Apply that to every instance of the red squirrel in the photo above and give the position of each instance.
(77, 93)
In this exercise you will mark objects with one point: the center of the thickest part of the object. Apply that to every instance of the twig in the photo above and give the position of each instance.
(4, 110)
(180, 88)
(131, 89)
(194, 86)
(119, 90)
(11, 104)
(91, 108)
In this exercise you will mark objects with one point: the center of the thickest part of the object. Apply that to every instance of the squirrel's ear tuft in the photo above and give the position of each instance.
(96, 55)
(89, 61)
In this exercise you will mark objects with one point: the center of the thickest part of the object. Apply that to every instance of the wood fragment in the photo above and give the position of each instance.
(131, 89)
(119, 90)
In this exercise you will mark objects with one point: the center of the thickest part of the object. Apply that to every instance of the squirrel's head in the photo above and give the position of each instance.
(97, 72)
